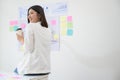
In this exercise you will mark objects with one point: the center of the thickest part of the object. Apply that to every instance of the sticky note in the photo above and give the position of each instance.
(15, 22)
(21, 48)
(69, 18)
(23, 25)
(69, 24)
(16, 77)
(1, 75)
(56, 36)
(11, 28)
(63, 24)
(53, 22)
(15, 28)
(63, 32)
(69, 32)
(11, 78)
(63, 18)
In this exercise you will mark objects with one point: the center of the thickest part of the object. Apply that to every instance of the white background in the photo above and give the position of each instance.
(92, 53)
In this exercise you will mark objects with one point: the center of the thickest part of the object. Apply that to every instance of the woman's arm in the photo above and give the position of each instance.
(29, 39)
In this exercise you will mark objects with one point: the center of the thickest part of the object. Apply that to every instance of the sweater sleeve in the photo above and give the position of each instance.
(29, 40)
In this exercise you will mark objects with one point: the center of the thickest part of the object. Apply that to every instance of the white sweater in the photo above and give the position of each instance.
(37, 43)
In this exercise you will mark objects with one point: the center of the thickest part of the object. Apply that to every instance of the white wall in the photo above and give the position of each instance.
(92, 53)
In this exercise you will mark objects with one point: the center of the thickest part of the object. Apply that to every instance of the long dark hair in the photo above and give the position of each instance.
(40, 11)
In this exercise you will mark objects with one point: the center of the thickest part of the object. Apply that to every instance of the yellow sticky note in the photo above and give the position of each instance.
(63, 32)
(11, 79)
(63, 18)
(56, 37)
(22, 48)
(64, 24)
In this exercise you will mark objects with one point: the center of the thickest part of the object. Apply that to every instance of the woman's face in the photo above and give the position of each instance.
(33, 16)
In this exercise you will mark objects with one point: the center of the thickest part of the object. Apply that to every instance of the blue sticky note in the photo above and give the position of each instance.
(69, 32)
(15, 28)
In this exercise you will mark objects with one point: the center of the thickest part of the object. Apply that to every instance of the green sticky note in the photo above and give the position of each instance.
(11, 28)
(70, 25)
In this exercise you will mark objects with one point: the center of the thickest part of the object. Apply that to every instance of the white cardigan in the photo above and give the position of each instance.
(37, 42)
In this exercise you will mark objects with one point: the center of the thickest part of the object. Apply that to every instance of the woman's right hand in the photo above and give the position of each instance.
(20, 38)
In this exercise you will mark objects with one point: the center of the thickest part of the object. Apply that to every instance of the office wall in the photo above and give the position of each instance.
(92, 53)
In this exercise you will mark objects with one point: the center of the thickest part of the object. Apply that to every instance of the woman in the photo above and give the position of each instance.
(37, 40)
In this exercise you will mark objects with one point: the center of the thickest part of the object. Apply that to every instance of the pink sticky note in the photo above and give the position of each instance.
(69, 18)
(15, 22)
(16, 77)
(1, 75)
(23, 25)
(53, 22)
